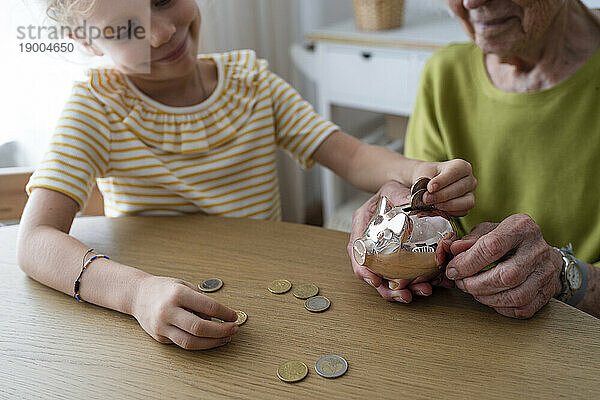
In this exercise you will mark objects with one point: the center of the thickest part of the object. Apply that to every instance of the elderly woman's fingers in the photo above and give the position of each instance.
(400, 295)
(369, 277)
(394, 191)
(449, 172)
(453, 191)
(421, 289)
(518, 295)
(467, 241)
(518, 270)
(487, 249)
(542, 298)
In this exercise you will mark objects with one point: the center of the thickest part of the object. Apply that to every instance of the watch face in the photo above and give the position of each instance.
(573, 276)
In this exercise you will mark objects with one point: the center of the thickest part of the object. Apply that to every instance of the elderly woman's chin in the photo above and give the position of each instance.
(504, 41)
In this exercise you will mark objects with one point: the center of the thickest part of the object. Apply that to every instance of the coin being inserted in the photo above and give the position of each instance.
(242, 317)
(416, 201)
(420, 184)
(210, 285)
(305, 291)
(317, 304)
(292, 371)
(280, 286)
(331, 366)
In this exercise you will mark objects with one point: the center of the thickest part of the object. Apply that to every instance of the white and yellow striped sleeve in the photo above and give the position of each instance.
(79, 150)
(299, 129)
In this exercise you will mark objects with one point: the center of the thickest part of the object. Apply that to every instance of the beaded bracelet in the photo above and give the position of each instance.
(83, 268)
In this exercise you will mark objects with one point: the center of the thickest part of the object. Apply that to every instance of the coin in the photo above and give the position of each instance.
(317, 304)
(210, 285)
(292, 371)
(280, 286)
(331, 366)
(420, 184)
(305, 291)
(242, 318)
(416, 200)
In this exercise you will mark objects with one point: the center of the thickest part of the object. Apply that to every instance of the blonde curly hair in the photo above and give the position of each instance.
(69, 12)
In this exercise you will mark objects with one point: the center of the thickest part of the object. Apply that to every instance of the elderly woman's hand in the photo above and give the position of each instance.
(398, 290)
(527, 275)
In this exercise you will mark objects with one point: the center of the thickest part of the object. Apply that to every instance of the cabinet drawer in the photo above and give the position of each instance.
(384, 80)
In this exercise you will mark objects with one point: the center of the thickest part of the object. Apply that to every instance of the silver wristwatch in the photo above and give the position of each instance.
(573, 277)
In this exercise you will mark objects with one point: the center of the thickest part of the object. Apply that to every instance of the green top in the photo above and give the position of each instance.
(536, 153)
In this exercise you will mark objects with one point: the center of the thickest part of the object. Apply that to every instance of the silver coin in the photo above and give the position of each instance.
(317, 304)
(331, 366)
(210, 285)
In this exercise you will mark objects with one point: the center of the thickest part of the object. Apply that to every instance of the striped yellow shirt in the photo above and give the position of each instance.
(217, 157)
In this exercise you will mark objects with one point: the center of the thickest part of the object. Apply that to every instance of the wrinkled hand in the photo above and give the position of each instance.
(452, 186)
(397, 290)
(528, 272)
(174, 311)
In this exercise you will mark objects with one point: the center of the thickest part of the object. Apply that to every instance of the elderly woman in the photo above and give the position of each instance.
(522, 104)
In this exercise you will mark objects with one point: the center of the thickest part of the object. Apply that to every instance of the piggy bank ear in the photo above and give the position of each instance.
(384, 205)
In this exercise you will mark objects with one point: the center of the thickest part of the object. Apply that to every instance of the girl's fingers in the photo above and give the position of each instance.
(449, 172)
(191, 342)
(197, 302)
(458, 207)
(453, 191)
(199, 327)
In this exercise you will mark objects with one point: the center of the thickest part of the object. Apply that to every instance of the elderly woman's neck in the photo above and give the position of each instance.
(568, 44)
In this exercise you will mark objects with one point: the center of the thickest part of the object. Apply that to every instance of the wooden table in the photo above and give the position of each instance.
(445, 346)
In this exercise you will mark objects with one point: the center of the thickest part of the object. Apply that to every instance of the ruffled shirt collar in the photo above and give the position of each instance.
(183, 130)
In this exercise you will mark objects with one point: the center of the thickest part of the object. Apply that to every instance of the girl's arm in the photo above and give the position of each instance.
(369, 167)
(47, 253)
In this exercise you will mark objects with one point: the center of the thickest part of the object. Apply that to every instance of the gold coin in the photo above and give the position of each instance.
(210, 285)
(317, 304)
(242, 318)
(280, 286)
(305, 291)
(292, 371)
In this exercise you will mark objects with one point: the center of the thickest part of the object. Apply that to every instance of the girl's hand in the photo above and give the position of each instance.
(174, 311)
(452, 185)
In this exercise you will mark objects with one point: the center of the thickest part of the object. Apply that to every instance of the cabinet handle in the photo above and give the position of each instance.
(310, 47)
(366, 55)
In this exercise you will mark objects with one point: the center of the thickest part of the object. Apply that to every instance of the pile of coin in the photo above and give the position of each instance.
(331, 366)
(305, 291)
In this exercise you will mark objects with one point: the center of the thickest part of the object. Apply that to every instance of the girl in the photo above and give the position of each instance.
(167, 132)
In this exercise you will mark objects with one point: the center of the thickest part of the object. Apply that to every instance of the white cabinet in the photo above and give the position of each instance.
(371, 71)
(375, 79)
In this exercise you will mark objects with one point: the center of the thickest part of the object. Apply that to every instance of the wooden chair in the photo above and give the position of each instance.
(13, 196)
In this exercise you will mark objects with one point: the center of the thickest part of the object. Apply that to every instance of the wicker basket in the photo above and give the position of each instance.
(378, 15)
